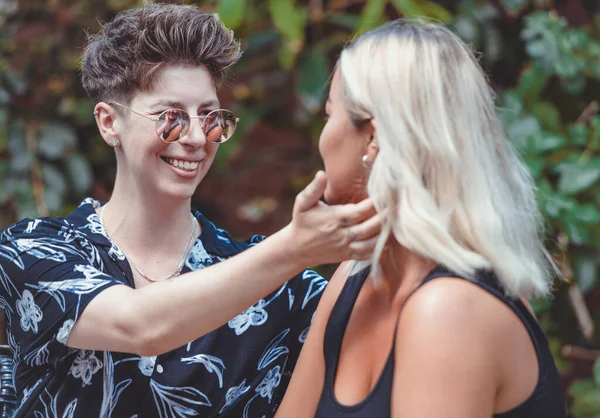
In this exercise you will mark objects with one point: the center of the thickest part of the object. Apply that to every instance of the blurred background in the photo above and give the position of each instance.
(542, 57)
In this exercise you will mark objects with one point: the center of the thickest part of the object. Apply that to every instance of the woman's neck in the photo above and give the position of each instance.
(146, 225)
(402, 271)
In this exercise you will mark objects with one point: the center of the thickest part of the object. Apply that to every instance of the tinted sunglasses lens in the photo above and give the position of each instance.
(219, 125)
(172, 125)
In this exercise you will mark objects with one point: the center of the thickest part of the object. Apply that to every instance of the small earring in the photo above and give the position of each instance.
(365, 161)
(374, 144)
(114, 142)
(95, 113)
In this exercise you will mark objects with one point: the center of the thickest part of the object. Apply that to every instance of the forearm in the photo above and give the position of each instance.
(177, 311)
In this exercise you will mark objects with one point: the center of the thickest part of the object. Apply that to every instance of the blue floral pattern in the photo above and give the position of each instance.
(51, 268)
(29, 312)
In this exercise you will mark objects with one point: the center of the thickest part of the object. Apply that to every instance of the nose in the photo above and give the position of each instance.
(195, 136)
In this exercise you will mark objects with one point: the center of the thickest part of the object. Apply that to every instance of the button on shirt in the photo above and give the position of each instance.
(51, 268)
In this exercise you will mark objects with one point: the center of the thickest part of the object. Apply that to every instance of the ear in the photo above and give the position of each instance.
(373, 145)
(108, 122)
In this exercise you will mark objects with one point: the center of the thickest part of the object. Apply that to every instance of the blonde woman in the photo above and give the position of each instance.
(438, 325)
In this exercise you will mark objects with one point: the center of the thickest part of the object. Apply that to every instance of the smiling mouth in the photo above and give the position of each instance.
(182, 164)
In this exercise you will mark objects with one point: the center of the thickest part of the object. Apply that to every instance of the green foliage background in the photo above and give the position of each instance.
(542, 56)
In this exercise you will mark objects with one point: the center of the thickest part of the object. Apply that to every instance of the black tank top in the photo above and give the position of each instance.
(546, 401)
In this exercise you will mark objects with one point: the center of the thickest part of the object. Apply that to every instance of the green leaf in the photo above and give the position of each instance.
(532, 82)
(578, 134)
(578, 234)
(314, 74)
(466, 29)
(576, 177)
(521, 130)
(547, 115)
(80, 173)
(53, 199)
(21, 161)
(569, 66)
(540, 304)
(542, 34)
(372, 15)
(231, 12)
(342, 19)
(540, 48)
(290, 22)
(593, 52)
(511, 108)
(54, 179)
(580, 387)
(288, 19)
(594, 143)
(574, 39)
(4, 97)
(409, 8)
(588, 214)
(548, 141)
(595, 69)
(412, 8)
(493, 43)
(586, 272)
(288, 53)
(555, 204)
(514, 6)
(55, 139)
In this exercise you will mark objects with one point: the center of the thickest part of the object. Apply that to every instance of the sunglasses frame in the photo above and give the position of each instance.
(202, 118)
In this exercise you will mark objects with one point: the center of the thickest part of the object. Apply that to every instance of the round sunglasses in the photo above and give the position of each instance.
(173, 124)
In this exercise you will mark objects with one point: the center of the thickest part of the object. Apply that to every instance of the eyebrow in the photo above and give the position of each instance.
(177, 104)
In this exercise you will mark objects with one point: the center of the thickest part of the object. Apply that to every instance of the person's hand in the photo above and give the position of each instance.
(321, 234)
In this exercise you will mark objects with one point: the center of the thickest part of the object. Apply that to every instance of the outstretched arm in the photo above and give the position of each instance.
(157, 318)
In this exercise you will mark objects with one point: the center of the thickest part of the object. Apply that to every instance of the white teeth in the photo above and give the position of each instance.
(183, 165)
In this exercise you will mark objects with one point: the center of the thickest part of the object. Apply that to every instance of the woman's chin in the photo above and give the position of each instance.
(336, 199)
(328, 197)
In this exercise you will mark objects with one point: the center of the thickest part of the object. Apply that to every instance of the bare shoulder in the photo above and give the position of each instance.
(455, 302)
(456, 319)
(448, 348)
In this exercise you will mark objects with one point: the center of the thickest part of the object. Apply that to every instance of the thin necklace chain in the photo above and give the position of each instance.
(182, 257)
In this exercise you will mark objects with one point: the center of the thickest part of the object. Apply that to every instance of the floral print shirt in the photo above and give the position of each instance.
(51, 268)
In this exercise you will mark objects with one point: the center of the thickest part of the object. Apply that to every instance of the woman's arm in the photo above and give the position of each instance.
(304, 391)
(447, 354)
(166, 315)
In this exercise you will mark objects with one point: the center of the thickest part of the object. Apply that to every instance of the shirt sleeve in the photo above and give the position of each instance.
(48, 276)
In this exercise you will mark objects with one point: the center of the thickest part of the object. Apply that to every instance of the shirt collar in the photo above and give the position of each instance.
(216, 241)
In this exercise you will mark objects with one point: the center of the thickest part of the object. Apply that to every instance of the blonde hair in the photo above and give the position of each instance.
(452, 188)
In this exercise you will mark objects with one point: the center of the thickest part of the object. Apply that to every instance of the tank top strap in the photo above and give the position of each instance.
(338, 319)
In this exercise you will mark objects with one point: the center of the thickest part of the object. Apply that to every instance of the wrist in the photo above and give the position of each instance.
(289, 249)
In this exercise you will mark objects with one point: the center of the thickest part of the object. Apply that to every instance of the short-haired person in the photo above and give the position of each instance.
(141, 307)
(438, 325)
